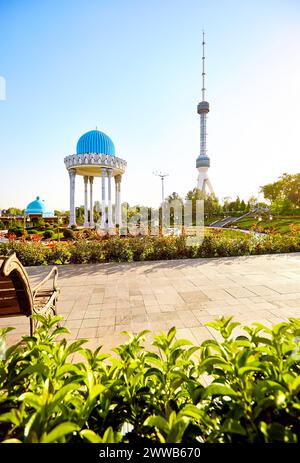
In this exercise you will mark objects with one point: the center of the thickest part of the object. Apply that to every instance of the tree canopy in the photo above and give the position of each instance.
(284, 194)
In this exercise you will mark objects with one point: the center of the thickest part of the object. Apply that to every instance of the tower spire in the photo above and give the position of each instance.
(203, 161)
(203, 66)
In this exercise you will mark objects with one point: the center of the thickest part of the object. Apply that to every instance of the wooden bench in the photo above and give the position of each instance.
(16, 295)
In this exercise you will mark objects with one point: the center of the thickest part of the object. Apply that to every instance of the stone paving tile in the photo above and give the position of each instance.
(153, 308)
(239, 291)
(193, 296)
(87, 332)
(261, 290)
(99, 301)
(71, 324)
(213, 293)
(200, 333)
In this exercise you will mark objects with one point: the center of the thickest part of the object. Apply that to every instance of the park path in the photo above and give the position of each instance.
(99, 301)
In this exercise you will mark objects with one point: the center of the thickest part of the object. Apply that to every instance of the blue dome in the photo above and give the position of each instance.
(35, 207)
(38, 207)
(95, 142)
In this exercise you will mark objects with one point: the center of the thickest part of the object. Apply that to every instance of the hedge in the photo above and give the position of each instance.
(148, 248)
(138, 395)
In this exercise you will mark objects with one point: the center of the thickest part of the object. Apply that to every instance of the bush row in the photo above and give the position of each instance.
(139, 395)
(148, 248)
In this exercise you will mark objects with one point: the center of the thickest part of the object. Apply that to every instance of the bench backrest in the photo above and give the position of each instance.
(15, 293)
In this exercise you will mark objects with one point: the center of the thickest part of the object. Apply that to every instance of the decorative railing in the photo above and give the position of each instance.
(91, 159)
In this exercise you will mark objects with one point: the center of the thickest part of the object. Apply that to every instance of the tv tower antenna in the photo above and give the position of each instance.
(203, 66)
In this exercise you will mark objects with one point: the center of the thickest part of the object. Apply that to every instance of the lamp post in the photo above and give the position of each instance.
(162, 177)
(25, 219)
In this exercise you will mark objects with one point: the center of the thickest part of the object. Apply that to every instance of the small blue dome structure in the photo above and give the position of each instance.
(95, 142)
(37, 207)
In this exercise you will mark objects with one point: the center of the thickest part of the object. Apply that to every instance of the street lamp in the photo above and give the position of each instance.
(162, 177)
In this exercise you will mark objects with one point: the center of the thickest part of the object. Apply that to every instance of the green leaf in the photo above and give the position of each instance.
(191, 411)
(218, 389)
(60, 395)
(90, 436)
(295, 385)
(109, 436)
(33, 400)
(181, 342)
(59, 431)
(60, 330)
(171, 334)
(11, 441)
(10, 417)
(154, 372)
(212, 360)
(177, 430)
(232, 426)
(158, 422)
(95, 391)
(249, 369)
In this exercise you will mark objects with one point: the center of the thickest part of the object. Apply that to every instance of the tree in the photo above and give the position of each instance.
(243, 206)
(284, 194)
(212, 206)
(79, 215)
(252, 202)
(174, 197)
(14, 211)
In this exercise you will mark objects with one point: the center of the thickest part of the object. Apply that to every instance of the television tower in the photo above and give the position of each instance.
(203, 161)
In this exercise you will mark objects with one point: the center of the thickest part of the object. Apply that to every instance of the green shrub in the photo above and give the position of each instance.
(138, 395)
(32, 231)
(18, 231)
(84, 252)
(48, 234)
(2, 226)
(140, 248)
(68, 233)
(118, 249)
(27, 253)
(59, 254)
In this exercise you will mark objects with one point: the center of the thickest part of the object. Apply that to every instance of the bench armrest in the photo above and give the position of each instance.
(52, 274)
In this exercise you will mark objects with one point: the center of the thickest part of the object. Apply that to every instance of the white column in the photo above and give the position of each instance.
(91, 202)
(110, 221)
(119, 209)
(72, 176)
(86, 218)
(103, 212)
(116, 199)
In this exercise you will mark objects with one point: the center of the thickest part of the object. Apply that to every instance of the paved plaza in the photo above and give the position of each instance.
(99, 301)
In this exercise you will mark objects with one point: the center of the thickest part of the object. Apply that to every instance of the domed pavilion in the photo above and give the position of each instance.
(38, 208)
(95, 157)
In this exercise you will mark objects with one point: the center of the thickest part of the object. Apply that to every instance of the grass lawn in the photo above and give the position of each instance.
(228, 233)
(278, 224)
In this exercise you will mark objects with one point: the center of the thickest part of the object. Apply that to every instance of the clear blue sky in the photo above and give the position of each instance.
(132, 68)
